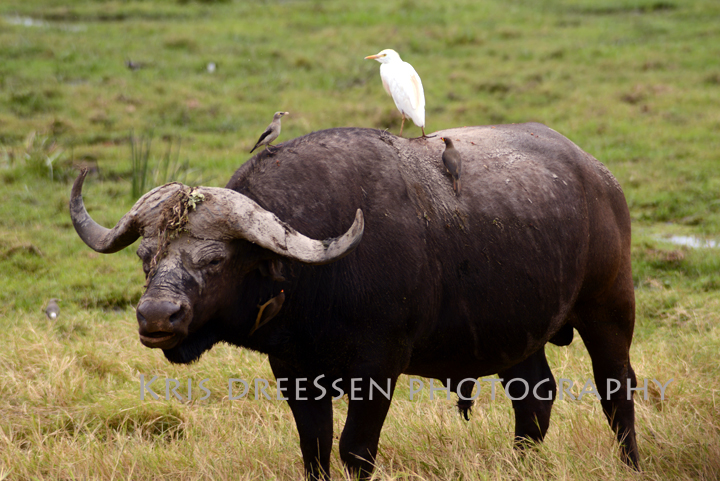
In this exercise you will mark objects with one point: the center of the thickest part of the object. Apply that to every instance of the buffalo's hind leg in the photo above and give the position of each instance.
(313, 418)
(532, 412)
(606, 327)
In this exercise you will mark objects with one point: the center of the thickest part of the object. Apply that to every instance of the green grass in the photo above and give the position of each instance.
(634, 82)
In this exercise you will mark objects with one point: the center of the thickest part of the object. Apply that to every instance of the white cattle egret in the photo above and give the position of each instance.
(271, 133)
(403, 84)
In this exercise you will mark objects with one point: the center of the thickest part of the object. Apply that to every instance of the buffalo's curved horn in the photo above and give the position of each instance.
(251, 222)
(145, 212)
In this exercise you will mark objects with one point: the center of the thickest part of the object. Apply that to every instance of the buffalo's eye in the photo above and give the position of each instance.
(213, 261)
(143, 255)
(209, 255)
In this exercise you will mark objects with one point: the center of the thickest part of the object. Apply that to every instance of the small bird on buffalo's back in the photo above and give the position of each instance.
(453, 163)
(403, 84)
(52, 311)
(271, 133)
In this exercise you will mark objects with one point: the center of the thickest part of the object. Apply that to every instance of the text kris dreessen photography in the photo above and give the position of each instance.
(240, 388)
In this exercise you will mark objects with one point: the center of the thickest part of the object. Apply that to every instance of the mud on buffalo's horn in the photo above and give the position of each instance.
(224, 213)
(245, 219)
(128, 229)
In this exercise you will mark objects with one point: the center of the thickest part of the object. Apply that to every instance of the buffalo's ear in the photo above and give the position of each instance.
(273, 269)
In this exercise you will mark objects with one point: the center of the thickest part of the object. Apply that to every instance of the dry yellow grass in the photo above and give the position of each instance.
(634, 82)
(71, 409)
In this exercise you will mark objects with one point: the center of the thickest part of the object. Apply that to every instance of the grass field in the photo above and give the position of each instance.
(634, 82)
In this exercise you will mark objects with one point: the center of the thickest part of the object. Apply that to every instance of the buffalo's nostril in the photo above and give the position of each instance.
(178, 316)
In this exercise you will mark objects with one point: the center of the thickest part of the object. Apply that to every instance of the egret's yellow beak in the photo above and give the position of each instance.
(371, 57)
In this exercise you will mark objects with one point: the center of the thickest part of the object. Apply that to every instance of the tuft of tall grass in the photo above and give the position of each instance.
(41, 154)
(140, 159)
(169, 168)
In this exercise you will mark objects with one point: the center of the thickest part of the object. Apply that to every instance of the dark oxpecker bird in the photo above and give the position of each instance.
(453, 163)
(52, 310)
(271, 133)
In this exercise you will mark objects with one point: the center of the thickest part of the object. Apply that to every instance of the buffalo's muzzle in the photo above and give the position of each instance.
(161, 323)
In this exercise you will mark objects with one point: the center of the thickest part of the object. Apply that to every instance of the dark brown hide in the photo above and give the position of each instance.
(442, 286)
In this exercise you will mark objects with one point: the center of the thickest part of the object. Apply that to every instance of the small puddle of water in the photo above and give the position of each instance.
(692, 241)
(25, 21)
(33, 22)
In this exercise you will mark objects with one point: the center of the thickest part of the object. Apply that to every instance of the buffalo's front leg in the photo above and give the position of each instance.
(532, 412)
(313, 418)
(367, 409)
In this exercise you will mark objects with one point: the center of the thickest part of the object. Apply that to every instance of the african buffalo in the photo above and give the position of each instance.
(419, 281)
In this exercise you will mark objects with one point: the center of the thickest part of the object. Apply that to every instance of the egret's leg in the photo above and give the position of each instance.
(423, 130)
(402, 124)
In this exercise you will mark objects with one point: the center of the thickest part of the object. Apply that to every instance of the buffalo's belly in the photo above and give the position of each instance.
(494, 312)
(483, 345)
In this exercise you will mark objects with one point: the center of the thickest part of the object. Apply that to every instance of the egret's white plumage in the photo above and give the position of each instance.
(403, 84)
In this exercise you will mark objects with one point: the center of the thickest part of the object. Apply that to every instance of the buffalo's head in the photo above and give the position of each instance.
(198, 245)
